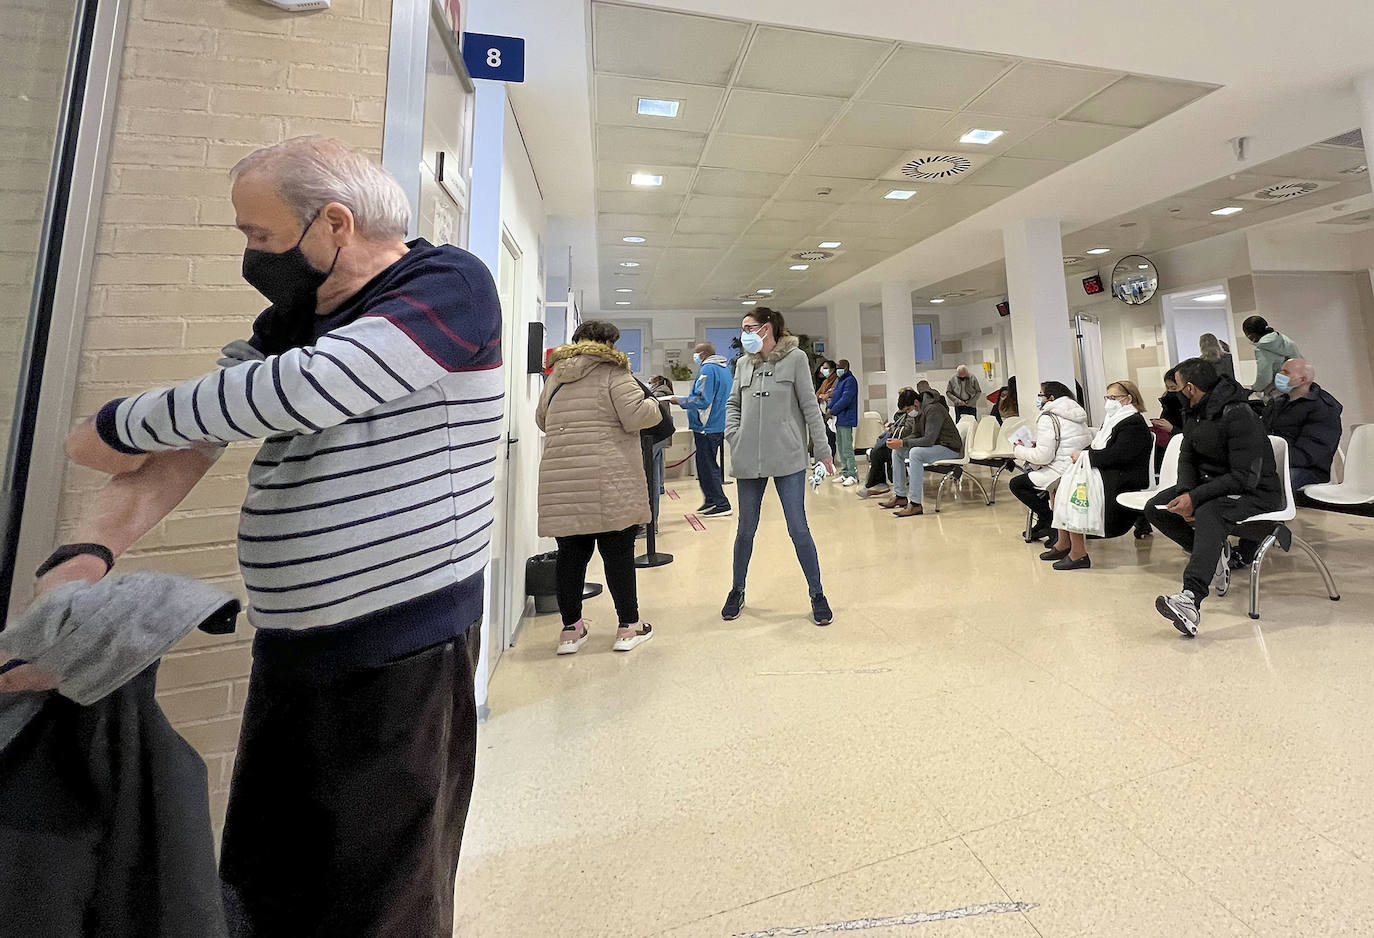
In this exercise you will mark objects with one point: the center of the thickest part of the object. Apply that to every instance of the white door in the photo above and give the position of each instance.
(1089, 333)
(507, 572)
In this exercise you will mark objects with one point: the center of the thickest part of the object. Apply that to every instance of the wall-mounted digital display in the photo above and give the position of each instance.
(1004, 308)
(1092, 285)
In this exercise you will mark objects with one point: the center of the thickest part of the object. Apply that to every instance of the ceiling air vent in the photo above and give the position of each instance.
(812, 255)
(1359, 170)
(1285, 191)
(931, 166)
(1072, 260)
(1354, 140)
(751, 296)
(957, 294)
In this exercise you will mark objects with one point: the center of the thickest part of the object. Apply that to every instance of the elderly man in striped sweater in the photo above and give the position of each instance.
(375, 379)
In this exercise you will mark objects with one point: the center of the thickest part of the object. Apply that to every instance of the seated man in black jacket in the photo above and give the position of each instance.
(1226, 473)
(1309, 418)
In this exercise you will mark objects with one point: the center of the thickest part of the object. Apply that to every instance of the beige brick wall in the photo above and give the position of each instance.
(204, 82)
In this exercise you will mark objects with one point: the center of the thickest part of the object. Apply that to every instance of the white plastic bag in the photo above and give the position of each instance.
(1078, 503)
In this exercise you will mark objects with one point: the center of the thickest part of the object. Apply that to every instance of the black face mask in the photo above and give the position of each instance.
(286, 279)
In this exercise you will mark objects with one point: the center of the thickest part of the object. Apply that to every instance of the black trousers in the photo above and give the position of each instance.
(349, 799)
(879, 466)
(1204, 536)
(960, 411)
(617, 556)
(1034, 498)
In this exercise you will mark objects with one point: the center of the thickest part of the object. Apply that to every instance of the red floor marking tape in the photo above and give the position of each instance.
(695, 522)
(672, 493)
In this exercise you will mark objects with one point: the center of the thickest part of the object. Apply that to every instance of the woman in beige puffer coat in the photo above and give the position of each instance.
(592, 489)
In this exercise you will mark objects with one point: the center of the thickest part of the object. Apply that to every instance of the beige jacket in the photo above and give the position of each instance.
(591, 477)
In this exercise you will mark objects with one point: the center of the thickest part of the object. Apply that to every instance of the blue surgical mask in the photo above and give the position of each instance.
(1283, 383)
(842, 372)
(752, 342)
(825, 372)
(1039, 402)
(696, 358)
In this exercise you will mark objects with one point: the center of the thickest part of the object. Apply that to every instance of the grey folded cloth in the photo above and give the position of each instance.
(239, 351)
(98, 636)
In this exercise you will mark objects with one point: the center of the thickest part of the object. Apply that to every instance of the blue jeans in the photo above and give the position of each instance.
(709, 446)
(919, 456)
(792, 494)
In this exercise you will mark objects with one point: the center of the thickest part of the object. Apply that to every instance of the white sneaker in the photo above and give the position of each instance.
(838, 479)
(849, 480)
(570, 640)
(1221, 580)
(1180, 609)
(642, 634)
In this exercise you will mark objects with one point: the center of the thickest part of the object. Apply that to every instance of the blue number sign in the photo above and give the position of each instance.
(500, 58)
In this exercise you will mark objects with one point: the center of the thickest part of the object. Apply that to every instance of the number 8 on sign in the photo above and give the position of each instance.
(497, 58)
(493, 58)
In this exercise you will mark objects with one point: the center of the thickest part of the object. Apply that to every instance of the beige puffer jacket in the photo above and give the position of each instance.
(591, 477)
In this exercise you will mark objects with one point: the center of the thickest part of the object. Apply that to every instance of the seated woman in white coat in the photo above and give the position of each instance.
(1060, 431)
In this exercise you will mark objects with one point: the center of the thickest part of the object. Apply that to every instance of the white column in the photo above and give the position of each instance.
(1039, 306)
(847, 341)
(899, 342)
(1364, 90)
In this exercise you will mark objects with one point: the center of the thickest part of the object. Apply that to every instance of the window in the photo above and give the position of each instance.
(924, 334)
(722, 338)
(632, 344)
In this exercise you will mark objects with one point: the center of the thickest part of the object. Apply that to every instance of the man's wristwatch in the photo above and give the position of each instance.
(70, 551)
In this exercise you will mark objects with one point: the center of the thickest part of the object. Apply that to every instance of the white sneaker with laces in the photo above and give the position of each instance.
(1221, 580)
(850, 481)
(642, 633)
(1180, 609)
(572, 638)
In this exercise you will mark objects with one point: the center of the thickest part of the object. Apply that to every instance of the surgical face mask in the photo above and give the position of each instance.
(1039, 402)
(842, 372)
(752, 342)
(825, 372)
(696, 358)
(1283, 383)
(1114, 407)
(287, 279)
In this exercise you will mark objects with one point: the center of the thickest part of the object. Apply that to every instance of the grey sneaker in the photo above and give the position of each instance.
(866, 492)
(1180, 609)
(820, 610)
(1221, 580)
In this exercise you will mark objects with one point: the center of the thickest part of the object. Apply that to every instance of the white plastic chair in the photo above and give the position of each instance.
(954, 468)
(996, 457)
(1357, 487)
(1271, 527)
(1168, 477)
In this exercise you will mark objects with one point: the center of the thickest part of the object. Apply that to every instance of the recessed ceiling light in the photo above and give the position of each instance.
(1211, 298)
(749, 303)
(800, 267)
(629, 263)
(1100, 251)
(645, 179)
(1142, 266)
(622, 302)
(937, 300)
(829, 244)
(658, 107)
(624, 290)
(1229, 210)
(902, 194)
(981, 136)
(765, 292)
(634, 239)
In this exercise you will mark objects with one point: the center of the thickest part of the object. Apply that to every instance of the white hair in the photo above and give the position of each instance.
(311, 172)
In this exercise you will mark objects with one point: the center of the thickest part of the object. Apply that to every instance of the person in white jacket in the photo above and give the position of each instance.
(1060, 430)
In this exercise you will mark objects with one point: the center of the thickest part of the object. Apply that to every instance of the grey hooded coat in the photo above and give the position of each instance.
(771, 411)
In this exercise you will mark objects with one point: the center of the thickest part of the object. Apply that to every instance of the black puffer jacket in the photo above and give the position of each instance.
(1225, 449)
(1124, 465)
(1312, 427)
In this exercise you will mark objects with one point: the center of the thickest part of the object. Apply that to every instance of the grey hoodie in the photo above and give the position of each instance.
(1271, 351)
(772, 408)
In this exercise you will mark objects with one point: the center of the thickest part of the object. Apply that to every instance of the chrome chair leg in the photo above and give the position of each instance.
(1306, 548)
(1255, 566)
(940, 490)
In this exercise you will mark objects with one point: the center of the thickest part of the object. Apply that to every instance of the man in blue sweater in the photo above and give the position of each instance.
(844, 406)
(705, 408)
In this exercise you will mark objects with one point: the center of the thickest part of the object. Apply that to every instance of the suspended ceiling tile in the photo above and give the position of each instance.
(640, 202)
(1319, 163)
(613, 175)
(684, 239)
(629, 41)
(798, 62)
(812, 212)
(733, 182)
(755, 154)
(637, 144)
(874, 212)
(712, 225)
(791, 230)
(762, 113)
(617, 102)
(970, 198)
(1065, 140)
(632, 224)
(888, 125)
(1015, 130)
(707, 206)
(851, 161)
(1033, 89)
(1136, 101)
(807, 188)
(1008, 171)
(934, 78)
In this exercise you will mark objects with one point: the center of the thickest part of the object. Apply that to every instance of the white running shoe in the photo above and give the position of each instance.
(849, 481)
(643, 632)
(570, 640)
(1180, 609)
(1221, 580)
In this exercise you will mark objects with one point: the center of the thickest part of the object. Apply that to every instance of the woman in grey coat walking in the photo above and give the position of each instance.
(771, 412)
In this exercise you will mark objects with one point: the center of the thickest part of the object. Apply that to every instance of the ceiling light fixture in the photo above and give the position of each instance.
(1229, 210)
(658, 107)
(1211, 298)
(829, 244)
(763, 291)
(800, 267)
(634, 239)
(1100, 251)
(900, 194)
(749, 303)
(645, 179)
(937, 300)
(981, 137)
(629, 263)
(624, 290)
(622, 302)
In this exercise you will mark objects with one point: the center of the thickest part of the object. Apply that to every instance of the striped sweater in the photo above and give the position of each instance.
(373, 491)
